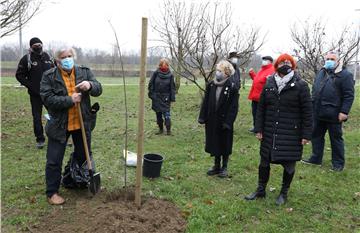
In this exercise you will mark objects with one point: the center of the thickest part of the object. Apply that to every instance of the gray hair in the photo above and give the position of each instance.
(62, 50)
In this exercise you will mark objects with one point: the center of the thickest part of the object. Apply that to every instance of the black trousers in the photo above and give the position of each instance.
(336, 141)
(254, 105)
(36, 110)
(54, 159)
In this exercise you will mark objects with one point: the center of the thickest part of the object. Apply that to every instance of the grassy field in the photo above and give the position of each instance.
(319, 200)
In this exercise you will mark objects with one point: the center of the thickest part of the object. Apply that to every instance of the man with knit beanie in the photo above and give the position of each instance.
(29, 73)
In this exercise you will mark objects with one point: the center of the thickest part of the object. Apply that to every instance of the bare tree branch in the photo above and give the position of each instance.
(16, 13)
(312, 43)
(197, 36)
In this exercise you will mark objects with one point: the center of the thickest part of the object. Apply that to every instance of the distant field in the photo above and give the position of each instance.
(6, 81)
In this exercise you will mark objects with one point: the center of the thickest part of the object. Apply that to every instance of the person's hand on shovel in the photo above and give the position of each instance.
(83, 86)
(76, 97)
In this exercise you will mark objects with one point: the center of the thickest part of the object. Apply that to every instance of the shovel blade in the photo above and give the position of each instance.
(95, 183)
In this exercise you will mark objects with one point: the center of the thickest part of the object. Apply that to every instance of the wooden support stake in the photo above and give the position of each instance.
(140, 136)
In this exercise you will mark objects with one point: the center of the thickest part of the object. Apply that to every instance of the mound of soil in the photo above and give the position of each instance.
(112, 212)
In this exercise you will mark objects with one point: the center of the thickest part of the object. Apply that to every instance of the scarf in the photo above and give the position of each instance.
(282, 81)
(219, 86)
(164, 69)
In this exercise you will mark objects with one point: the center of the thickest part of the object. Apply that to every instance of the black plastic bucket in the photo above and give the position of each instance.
(152, 165)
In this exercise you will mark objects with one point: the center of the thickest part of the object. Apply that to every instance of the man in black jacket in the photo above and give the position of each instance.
(29, 73)
(333, 95)
(234, 59)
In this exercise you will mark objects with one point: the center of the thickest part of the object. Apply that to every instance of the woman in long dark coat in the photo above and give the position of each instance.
(283, 124)
(162, 93)
(218, 113)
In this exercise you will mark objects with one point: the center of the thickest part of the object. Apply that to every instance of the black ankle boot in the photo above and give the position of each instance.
(259, 193)
(281, 199)
(223, 171)
(168, 126)
(216, 168)
(287, 178)
(161, 129)
(168, 129)
(264, 173)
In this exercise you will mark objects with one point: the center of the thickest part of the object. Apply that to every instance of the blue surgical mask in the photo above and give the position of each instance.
(329, 64)
(67, 63)
(219, 76)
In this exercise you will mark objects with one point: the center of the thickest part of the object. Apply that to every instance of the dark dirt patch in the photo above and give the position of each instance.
(113, 212)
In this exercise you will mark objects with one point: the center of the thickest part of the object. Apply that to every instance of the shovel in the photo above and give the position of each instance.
(94, 184)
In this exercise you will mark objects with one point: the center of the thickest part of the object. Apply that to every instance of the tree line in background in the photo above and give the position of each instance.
(195, 36)
(198, 35)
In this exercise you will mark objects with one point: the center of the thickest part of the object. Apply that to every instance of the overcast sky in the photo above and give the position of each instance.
(84, 23)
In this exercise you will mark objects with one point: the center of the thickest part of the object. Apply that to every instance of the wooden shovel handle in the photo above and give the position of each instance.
(86, 148)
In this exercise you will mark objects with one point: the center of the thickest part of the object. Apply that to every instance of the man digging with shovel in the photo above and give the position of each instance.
(66, 91)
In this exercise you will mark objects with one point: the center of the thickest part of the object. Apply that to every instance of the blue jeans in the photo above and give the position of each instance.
(336, 141)
(166, 115)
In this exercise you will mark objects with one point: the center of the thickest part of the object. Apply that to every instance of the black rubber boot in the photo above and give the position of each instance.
(160, 123)
(168, 126)
(264, 174)
(287, 179)
(216, 168)
(223, 171)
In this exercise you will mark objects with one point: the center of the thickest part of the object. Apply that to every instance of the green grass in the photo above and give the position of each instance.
(322, 201)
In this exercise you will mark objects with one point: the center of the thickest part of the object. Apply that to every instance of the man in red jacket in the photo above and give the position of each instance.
(259, 80)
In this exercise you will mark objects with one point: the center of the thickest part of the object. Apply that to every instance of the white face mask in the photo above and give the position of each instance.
(234, 60)
(265, 62)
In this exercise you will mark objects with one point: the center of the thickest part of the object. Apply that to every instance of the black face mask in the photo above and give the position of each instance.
(284, 70)
(37, 50)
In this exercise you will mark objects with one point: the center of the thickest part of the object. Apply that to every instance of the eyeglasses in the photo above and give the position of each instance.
(63, 57)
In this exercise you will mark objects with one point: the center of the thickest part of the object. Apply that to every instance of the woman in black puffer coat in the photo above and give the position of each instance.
(283, 124)
(162, 93)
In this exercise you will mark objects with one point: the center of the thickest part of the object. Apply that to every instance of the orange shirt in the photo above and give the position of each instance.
(73, 114)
